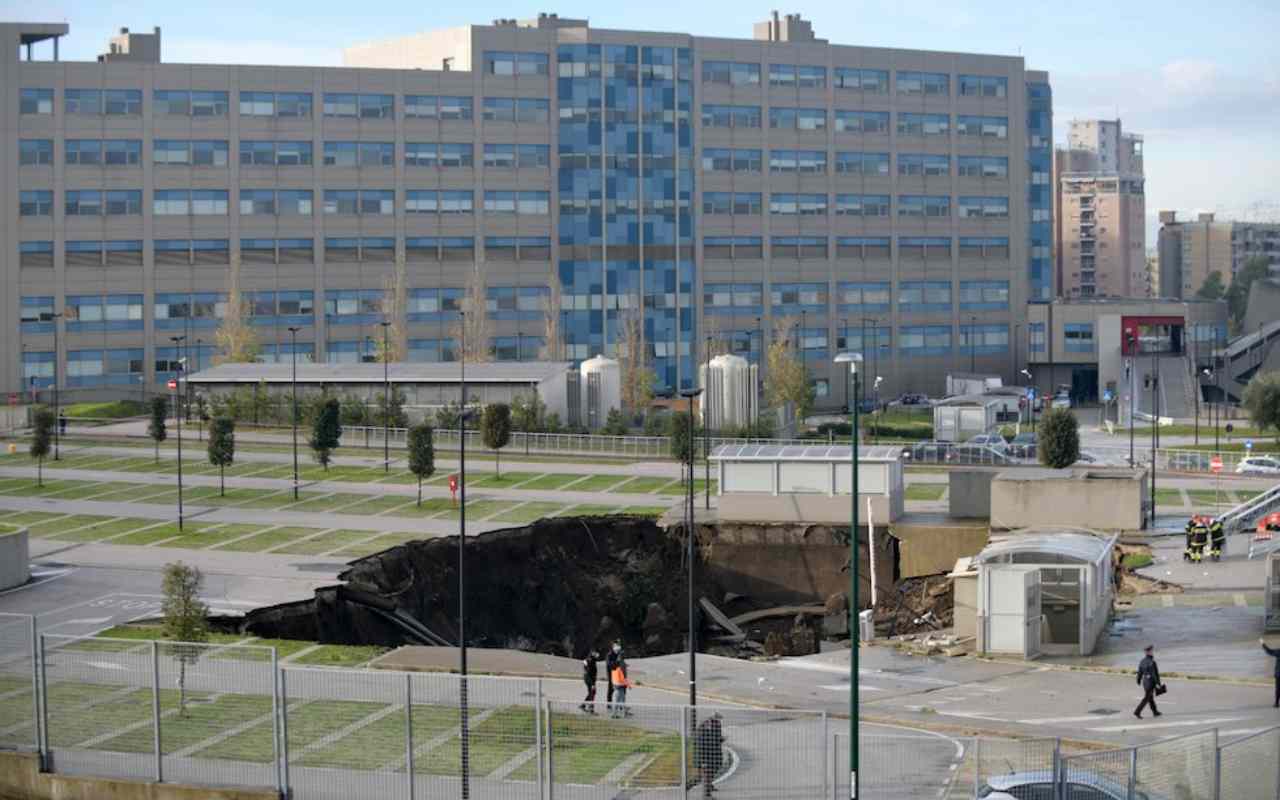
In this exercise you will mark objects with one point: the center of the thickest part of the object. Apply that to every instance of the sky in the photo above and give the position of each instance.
(1202, 88)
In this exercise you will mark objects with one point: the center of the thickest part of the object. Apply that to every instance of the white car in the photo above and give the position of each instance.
(1061, 400)
(993, 440)
(1259, 465)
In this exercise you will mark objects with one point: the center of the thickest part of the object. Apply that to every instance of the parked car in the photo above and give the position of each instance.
(1259, 465)
(993, 440)
(968, 453)
(1023, 445)
(913, 399)
(1039, 785)
(1061, 400)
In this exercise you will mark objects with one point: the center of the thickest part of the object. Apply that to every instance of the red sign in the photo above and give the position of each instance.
(13, 398)
(1215, 465)
(453, 488)
(173, 384)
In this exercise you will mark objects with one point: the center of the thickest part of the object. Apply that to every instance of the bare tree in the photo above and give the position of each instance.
(714, 331)
(788, 382)
(236, 339)
(637, 377)
(395, 307)
(473, 329)
(553, 339)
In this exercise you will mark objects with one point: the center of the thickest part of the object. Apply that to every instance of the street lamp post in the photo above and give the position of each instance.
(386, 397)
(177, 417)
(853, 359)
(293, 415)
(1132, 375)
(689, 535)
(51, 317)
(1155, 428)
(973, 344)
(199, 415)
(464, 727)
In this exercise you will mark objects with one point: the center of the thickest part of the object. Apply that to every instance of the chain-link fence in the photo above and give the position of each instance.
(1250, 766)
(18, 697)
(1184, 767)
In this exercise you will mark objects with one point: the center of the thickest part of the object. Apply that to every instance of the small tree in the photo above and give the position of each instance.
(787, 377)
(1262, 400)
(186, 620)
(682, 442)
(614, 424)
(422, 454)
(42, 423)
(1212, 288)
(449, 416)
(528, 412)
(326, 432)
(156, 428)
(222, 448)
(1059, 440)
(495, 429)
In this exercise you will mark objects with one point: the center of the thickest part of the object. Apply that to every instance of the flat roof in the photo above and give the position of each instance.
(403, 372)
(794, 452)
(1085, 548)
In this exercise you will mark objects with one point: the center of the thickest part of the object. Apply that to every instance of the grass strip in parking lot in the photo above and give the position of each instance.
(529, 512)
(213, 536)
(551, 481)
(925, 491)
(596, 483)
(110, 526)
(324, 543)
(266, 540)
(158, 533)
(642, 485)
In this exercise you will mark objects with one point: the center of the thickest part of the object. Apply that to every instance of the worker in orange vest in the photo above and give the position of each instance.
(618, 679)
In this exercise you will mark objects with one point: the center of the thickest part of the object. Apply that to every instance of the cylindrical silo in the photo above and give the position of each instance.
(601, 387)
(729, 397)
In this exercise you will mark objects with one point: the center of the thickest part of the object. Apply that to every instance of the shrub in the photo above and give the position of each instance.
(1059, 439)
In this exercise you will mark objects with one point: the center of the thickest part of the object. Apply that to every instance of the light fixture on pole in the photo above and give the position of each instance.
(690, 394)
(1031, 408)
(853, 359)
(386, 397)
(293, 415)
(177, 417)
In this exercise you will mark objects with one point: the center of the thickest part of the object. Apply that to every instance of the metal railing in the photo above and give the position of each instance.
(229, 715)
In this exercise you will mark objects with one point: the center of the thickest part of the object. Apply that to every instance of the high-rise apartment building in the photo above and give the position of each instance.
(714, 187)
(1100, 236)
(1192, 250)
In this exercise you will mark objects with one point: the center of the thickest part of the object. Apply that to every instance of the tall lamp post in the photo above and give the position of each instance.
(293, 415)
(57, 357)
(1132, 375)
(1212, 374)
(1031, 409)
(464, 727)
(853, 359)
(973, 343)
(1155, 428)
(177, 417)
(386, 397)
(844, 326)
(706, 426)
(689, 536)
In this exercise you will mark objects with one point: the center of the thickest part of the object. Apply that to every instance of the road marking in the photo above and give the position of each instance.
(1144, 725)
(844, 687)
(92, 621)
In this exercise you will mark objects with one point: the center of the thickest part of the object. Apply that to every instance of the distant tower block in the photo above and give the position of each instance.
(731, 398)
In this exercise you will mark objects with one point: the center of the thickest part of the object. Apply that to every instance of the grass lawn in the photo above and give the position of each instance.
(530, 512)
(324, 543)
(1208, 497)
(645, 511)
(101, 530)
(308, 722)
(213, 536)
(116, 409)
(340, 655)
(596, 483)
(382, 742)
(63, 524)
(586, 749)
(551, 481)
(369, 546)
(376, 504)
(87, 491)
(1169, 497)
(267, 540)
(327, 502)
(1136, 560)
(589, 511)
(160, 532)
(926, 491)
(138, 492)
(480, 509)
(237, 497)
(201, 720)
(147, 633)
(642, 485)
(505, 481)
(497, 739)
(1246, 494)
(28, 517)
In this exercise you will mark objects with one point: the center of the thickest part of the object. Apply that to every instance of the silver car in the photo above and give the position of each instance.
(1039, 785)
(1258, 465)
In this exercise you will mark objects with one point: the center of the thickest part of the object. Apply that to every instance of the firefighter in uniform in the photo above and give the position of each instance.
(1199, 540)
(1218, 534)
(1186, 548)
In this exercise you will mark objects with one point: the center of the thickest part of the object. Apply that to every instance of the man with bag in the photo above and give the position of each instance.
(1149, 680)
(708, 753)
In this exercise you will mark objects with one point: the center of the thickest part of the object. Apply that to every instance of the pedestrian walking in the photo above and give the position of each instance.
(1149, 680)
(611, 661)
(618, 677)
(62, 423)
(708, 752)
(1274, 652)
(589, 676)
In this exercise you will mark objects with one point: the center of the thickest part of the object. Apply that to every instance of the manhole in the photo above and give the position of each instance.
(1103, 712)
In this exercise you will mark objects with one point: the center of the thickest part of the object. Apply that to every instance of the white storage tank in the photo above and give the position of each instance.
(601, 387)
(730, 395)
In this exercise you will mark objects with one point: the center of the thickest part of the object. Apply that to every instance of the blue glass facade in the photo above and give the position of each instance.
(625, 192)
(1039, 192)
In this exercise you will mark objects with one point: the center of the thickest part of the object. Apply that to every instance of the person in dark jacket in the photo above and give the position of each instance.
(1274, 653)
(611, 661)
(708, 752)
(590, 673)
(1149, 680)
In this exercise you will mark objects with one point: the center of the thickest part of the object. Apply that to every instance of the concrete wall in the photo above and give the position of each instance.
(1101, 499)
(803, 508)
(970, 493)
(15, 568)
(21, 779)
(964, 588)
(930, 546)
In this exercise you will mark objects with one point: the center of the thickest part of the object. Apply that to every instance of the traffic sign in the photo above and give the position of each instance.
(173, 384)
(1215, 465)
(1107, 396)
(1248, 444)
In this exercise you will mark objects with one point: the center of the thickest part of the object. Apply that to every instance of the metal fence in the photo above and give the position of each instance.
(229, 715)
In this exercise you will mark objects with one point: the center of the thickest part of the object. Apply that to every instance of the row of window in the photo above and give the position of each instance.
(871, 81)
(280, 202)
(815, 162)
(914, 296)
(863, 122)
(855, 205)
(868, 248)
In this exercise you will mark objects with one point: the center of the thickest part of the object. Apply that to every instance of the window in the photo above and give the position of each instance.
(731, 73)
(810, 162)
(730, 298)
(987, 247)
(35, 254)
(257, 104)
(984, 339)
(454, 108)
(426, 305)
(984, 295)
(421, 201)
(84, 254)
(920, 296)
(84, 152)
(982, 166)
(35, 152)
(730, 160)
(922, 124)
(924, 340)
(377, 154)
(733, 247)
(293, 104)
(532, 156)
(862, 121)
(499, 109)
(293, 154)
(714, 116)
(126, 253)
(512, 64)
(197, 202)
(872, 81)
(925, 165)
(862, 205)
(339, 105)
(1036, 332)
(796, 297)
(983, 207)
(924, 247)
(340, 154)
(35, 203)
(209, 104)
(933, 84)
(257, 201)
(985, 127)
(421, 154)
(800, 247)
(456, 155)
(376, 106)
(517, 248)
(380, 202)
(862, 163)
(516, 302)
(803, 77)
(198, 310)
(870, 340)
(341, 201)
(1078, 337)
(457, 201)
(526, 202)
(862, 247)
(82, 101)
(741, 203)
(983, 86)
(362, 305)
(801, 204)
(35, 101)
(800, 119)
(924, 206)
(862, 296)
(421, 106)
(257, 153)
(112, 312)
(122, 101)
(84, 203)
(37, 314)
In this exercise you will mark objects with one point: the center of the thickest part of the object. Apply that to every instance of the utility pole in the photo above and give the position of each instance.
(706, 427)
(386, 398)
(464, 727)
(57, 359)
(852, 359)
(177, 417)
(293, 416)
